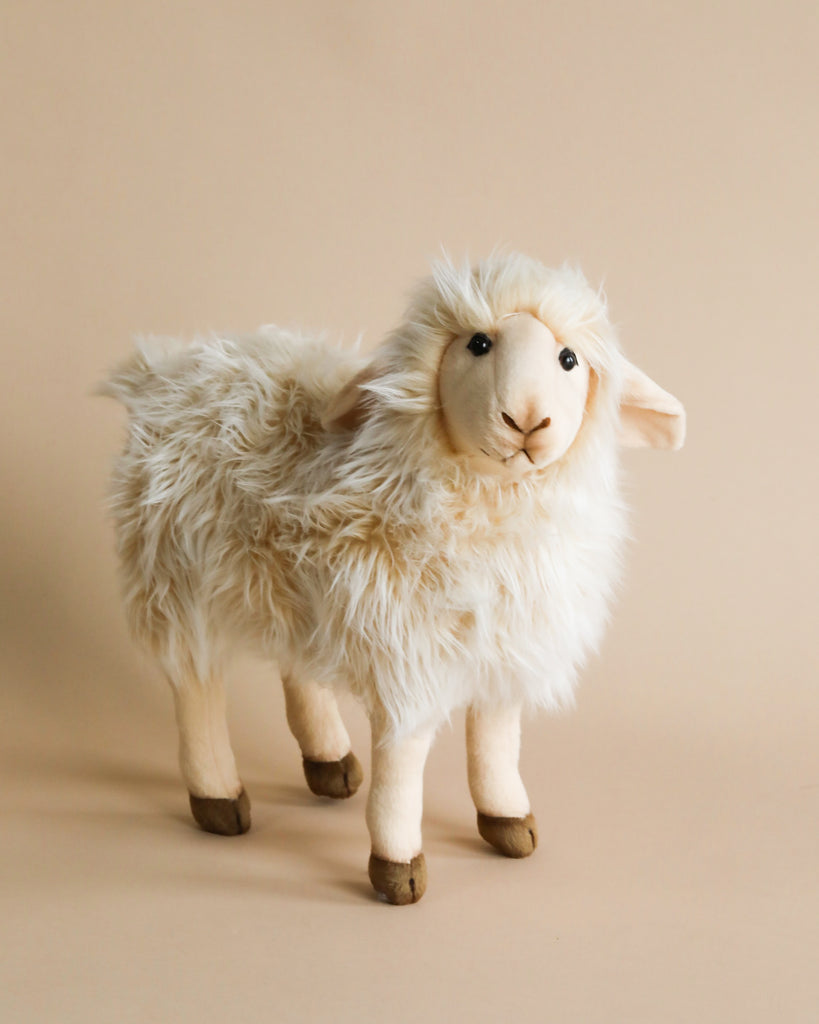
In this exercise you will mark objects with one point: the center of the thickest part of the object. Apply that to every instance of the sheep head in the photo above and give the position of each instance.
(512, 361)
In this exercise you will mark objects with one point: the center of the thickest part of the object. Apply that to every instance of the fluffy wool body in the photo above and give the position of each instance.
(437, 528)
(371, 559)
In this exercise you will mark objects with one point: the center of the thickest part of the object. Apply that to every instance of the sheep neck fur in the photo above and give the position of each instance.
(371, 559)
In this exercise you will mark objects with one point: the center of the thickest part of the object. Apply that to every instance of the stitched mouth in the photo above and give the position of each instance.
(514, 455)
(504, 460)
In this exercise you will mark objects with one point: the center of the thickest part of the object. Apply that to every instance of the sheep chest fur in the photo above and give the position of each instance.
(438, 528)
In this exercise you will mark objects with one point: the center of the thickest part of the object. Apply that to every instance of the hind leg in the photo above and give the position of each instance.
(505, 820)
(330, 766)
(217, 798)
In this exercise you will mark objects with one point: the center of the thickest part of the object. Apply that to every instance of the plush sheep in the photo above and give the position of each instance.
(438, 529)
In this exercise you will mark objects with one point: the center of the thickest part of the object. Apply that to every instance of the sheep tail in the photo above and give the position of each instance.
(132, 380)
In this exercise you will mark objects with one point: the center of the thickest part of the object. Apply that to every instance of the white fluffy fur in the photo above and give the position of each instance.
(374, 559)
(392, 530)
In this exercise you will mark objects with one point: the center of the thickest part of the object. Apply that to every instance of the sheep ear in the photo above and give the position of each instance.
(348, 406)
(649, 416)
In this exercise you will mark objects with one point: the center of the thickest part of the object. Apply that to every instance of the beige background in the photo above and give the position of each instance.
(174, 167)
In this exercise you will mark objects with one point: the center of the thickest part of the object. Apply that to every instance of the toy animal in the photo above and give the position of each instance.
(438, 528)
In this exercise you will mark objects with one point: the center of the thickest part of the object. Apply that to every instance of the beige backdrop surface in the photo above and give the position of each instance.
(174, 167)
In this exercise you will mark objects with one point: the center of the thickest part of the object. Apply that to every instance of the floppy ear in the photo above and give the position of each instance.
(348, 406)
(649, 416)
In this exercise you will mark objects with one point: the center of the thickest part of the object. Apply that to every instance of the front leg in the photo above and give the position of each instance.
(493, 751)
(397, 867)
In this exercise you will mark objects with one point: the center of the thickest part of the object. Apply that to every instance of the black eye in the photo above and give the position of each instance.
(568, 360)
(479, 344)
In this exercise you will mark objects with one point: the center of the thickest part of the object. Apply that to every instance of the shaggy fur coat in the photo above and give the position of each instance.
(368, 556)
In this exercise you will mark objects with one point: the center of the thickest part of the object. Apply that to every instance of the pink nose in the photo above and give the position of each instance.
(507, 419)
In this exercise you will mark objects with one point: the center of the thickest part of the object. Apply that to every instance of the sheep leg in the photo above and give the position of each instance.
(397, 868)
(218, 800)
(493, 752)
(330, 767)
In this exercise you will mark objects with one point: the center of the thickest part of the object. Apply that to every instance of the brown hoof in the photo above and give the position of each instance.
(337, 779)
(223, 816)
(399, 883)
(513, 837)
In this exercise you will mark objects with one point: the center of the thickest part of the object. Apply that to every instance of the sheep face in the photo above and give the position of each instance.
(512, 399)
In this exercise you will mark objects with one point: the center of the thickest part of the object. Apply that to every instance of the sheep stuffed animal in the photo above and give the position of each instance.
(438, 529)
